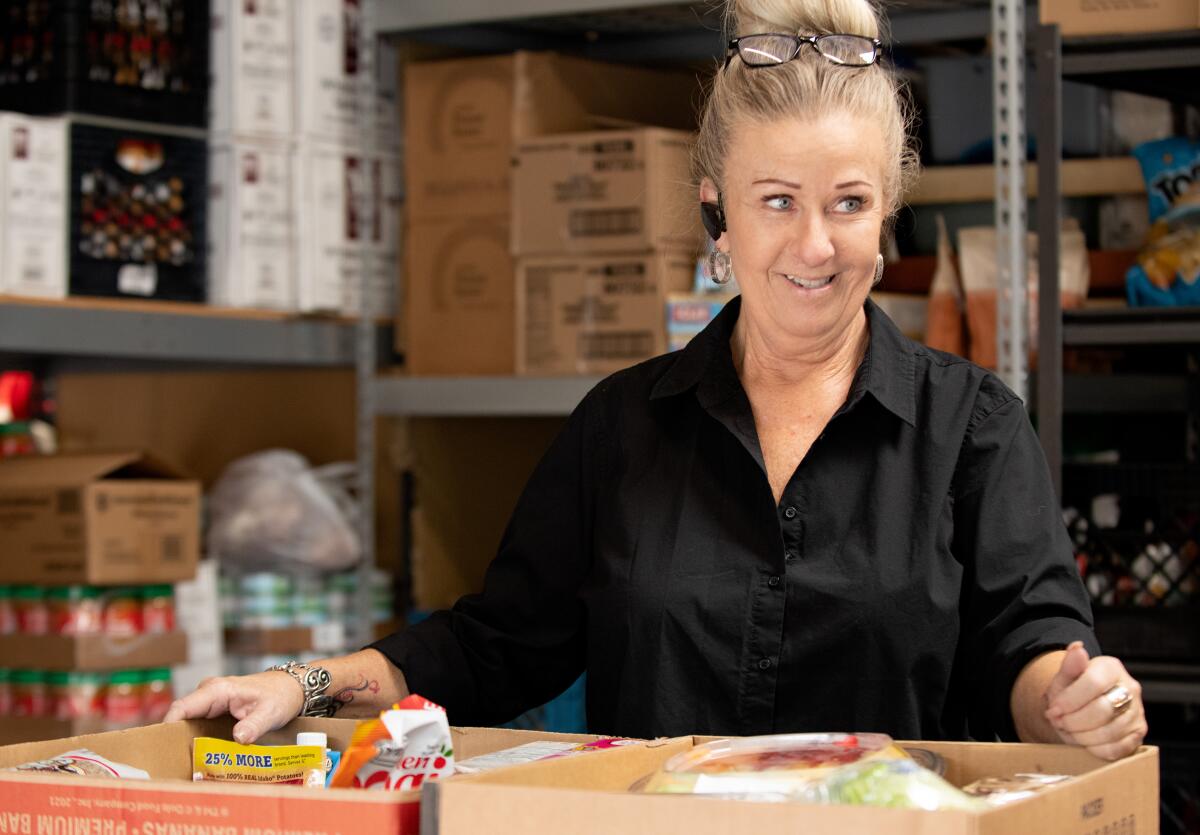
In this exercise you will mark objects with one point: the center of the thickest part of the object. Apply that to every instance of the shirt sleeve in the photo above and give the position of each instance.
(1022, 594)
(521, 641)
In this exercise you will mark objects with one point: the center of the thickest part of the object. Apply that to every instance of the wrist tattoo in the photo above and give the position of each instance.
(365, 685)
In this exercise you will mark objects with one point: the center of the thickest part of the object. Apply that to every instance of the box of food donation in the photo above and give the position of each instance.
(100, 518)
(462, 117)
(1118, 798)
(1119, 17)
(595, 314)
(169, 803)
(606, 191)
(460, 284)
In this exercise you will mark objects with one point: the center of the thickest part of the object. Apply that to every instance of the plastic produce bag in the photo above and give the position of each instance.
(273, 511)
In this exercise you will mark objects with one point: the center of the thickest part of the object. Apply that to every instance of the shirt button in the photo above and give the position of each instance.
(764, 664)
(789, 555)
(773, 582)
(790, 512)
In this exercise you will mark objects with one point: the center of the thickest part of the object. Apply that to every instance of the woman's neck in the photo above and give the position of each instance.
(767, 360)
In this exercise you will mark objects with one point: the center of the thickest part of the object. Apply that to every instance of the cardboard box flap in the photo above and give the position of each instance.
(79, 469)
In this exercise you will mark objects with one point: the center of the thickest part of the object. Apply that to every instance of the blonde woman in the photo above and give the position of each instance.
(801, 522)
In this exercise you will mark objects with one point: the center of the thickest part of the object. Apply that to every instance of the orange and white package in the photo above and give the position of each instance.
(403, 748)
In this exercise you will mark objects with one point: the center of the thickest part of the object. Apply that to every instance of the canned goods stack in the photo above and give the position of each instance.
(119, 699)
(302, 617)
(87, 610)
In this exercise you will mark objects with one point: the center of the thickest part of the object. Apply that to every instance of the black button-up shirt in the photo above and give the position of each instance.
(916, 562)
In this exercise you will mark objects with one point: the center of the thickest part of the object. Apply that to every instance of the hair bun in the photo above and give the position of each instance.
(850, 17)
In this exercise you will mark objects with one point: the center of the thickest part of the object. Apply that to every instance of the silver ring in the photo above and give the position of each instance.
(1119, 698)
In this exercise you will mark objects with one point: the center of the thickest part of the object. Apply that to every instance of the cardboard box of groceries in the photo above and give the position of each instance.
(607, 191)
(595, 314)
(459, 297)
(592, 796)
(170, 803)
(99, 518)
(1120, 17)
(463, 116)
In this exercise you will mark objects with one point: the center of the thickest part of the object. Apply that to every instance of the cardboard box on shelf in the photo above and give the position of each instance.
(252, 56)
(1120, 797)
(595, 314)
(349, 217)
(460, 297)
(15, 729)
(33, 205)
(609, 191)
(251, 226)
(170, 802)
(1120, 17)
(462, 118)
(101, 518)
(93, 653)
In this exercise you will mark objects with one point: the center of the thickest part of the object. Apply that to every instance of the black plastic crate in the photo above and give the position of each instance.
(131, 59)
(138, 214)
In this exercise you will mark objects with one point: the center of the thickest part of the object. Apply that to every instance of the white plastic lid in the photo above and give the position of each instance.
(312, 738)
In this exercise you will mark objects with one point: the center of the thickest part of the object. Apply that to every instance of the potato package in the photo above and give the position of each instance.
(230, 762)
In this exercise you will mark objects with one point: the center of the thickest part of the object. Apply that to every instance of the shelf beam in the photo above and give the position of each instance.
(480, 396)
(111, 331)
(977, 183)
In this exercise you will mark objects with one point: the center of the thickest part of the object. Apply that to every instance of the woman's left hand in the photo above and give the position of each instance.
(1096, 704)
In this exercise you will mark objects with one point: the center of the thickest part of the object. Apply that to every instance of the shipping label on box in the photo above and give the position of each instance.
(96, 519)
(33, 206)
(614, 191)
(349, 222)
(1120, 17)
(594, 314)
(459, 297)
(253, 72)
(251, 223)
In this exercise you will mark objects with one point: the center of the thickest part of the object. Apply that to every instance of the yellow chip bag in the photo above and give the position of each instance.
(231, 762)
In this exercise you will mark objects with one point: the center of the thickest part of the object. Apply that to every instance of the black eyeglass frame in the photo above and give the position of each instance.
(733, 48)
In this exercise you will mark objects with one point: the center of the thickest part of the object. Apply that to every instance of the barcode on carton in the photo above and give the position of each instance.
(616, 345)
(599, 223)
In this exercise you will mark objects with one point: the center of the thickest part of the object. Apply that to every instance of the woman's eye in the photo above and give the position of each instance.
(850, 204)
(780, 202)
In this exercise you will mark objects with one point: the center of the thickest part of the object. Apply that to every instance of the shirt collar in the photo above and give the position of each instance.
(886, 373)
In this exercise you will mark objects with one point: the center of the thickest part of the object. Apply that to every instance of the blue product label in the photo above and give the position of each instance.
(1171, 167)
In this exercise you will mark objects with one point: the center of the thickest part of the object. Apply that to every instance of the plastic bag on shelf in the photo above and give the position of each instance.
(1168, 269)
(272, 510)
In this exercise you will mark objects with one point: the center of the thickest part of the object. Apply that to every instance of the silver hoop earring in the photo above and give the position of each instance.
(720, 267)
(878, 269)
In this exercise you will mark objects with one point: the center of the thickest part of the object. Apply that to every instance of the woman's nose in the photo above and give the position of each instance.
(811, 240)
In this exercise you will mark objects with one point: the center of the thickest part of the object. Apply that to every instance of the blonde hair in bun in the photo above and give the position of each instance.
(806, 87)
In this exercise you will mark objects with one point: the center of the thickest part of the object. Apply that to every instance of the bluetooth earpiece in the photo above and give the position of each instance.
(712, 215)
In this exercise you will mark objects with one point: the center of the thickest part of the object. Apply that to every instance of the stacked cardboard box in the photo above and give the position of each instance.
(604, 226)
(463, 122)
(305, 183)
(83, 535)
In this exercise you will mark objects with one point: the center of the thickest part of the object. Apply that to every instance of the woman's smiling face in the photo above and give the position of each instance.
(804, 211)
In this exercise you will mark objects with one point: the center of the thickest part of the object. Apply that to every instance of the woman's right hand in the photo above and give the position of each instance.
(261, 702)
